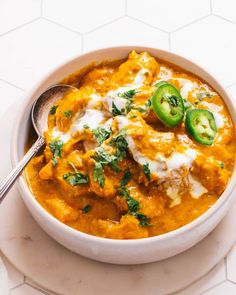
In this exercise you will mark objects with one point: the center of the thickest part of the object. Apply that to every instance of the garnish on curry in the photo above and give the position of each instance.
(139, 149)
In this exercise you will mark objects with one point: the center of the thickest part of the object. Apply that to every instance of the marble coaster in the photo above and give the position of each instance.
(55, 268)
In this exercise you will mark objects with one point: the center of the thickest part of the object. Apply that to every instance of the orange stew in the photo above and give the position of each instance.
(113, 169)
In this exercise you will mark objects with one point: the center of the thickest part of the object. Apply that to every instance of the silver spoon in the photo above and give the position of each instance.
(39, 117)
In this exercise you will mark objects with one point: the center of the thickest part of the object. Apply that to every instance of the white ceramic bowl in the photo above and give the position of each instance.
(110, 250)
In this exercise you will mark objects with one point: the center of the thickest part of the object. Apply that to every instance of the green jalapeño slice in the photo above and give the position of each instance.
(168, 105)
(158, 84)
(201, 125)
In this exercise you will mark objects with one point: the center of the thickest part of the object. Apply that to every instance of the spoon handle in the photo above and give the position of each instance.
(7, 183)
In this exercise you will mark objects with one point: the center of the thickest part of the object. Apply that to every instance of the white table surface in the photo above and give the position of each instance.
(36, 35)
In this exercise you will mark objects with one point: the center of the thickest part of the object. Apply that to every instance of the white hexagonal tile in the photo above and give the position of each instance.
(226, 288)
(231, 264)
(225, 9)
(168, 15)
(8, 95)
(15, 278)
(214, 277)
(83, 16)
(209, 43)
(26, 290)
(14, 13)
(125, 31)
(28, 53)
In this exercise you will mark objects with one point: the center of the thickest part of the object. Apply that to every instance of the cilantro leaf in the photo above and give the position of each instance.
(76, 178)
(98, 174)
(103, 157)
(86, 126)
(222, 165)
(146, 107)
(128, 94)
(86, 208)
(68, 114)
(146, 171)
(133, 204)
(56, 148)
(143, 219)
(115, 110)
(53, 110)
(202, 95)
(101, 134)
(121, 144)
(126, 178)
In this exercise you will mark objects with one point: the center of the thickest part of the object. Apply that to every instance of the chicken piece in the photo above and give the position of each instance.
(138, 69)
(47, 172)
(207, 170)
(72, 103)
(98, 79)
(70, 165)
(61, 210)
(143, 139)
(127, 228)
(150, 205)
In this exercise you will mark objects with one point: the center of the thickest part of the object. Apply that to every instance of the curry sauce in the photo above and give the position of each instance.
(113, 169)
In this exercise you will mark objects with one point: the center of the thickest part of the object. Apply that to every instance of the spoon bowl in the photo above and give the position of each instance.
(42, 106)
(39, 117)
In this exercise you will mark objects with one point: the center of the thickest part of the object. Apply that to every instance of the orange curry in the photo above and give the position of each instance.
(113, 169)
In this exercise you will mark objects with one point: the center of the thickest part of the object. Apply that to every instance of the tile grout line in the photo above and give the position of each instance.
(143, 22)
(126, 7)
(223, 18)
(191, 23)
(20, 26)
(60, 25)
(230, 85)
(211, 8)
(41, 8)
(37, 288)
(13, 85)
(104, 25)
(17, 286)
(213, 287)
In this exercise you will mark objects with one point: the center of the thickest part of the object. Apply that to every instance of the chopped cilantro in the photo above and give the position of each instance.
(131, 202)
(143, 219)
(68, 114)
(98, 174)
(133, 206)
(76, 178)
(53, 110)
(86, 126)
(145, 108)
(202, 95)
(121, 144)
(146, 171)
(222, 165)
(128, 94)
(104, 158)
(126, 178)
(86, 208)
(101, 134)
(115, 110)
(56, 148)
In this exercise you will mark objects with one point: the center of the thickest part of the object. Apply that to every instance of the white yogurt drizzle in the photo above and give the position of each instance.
(164, 167)
(113, 96)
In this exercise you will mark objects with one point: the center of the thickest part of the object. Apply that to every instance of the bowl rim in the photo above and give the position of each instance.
(25, 191)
